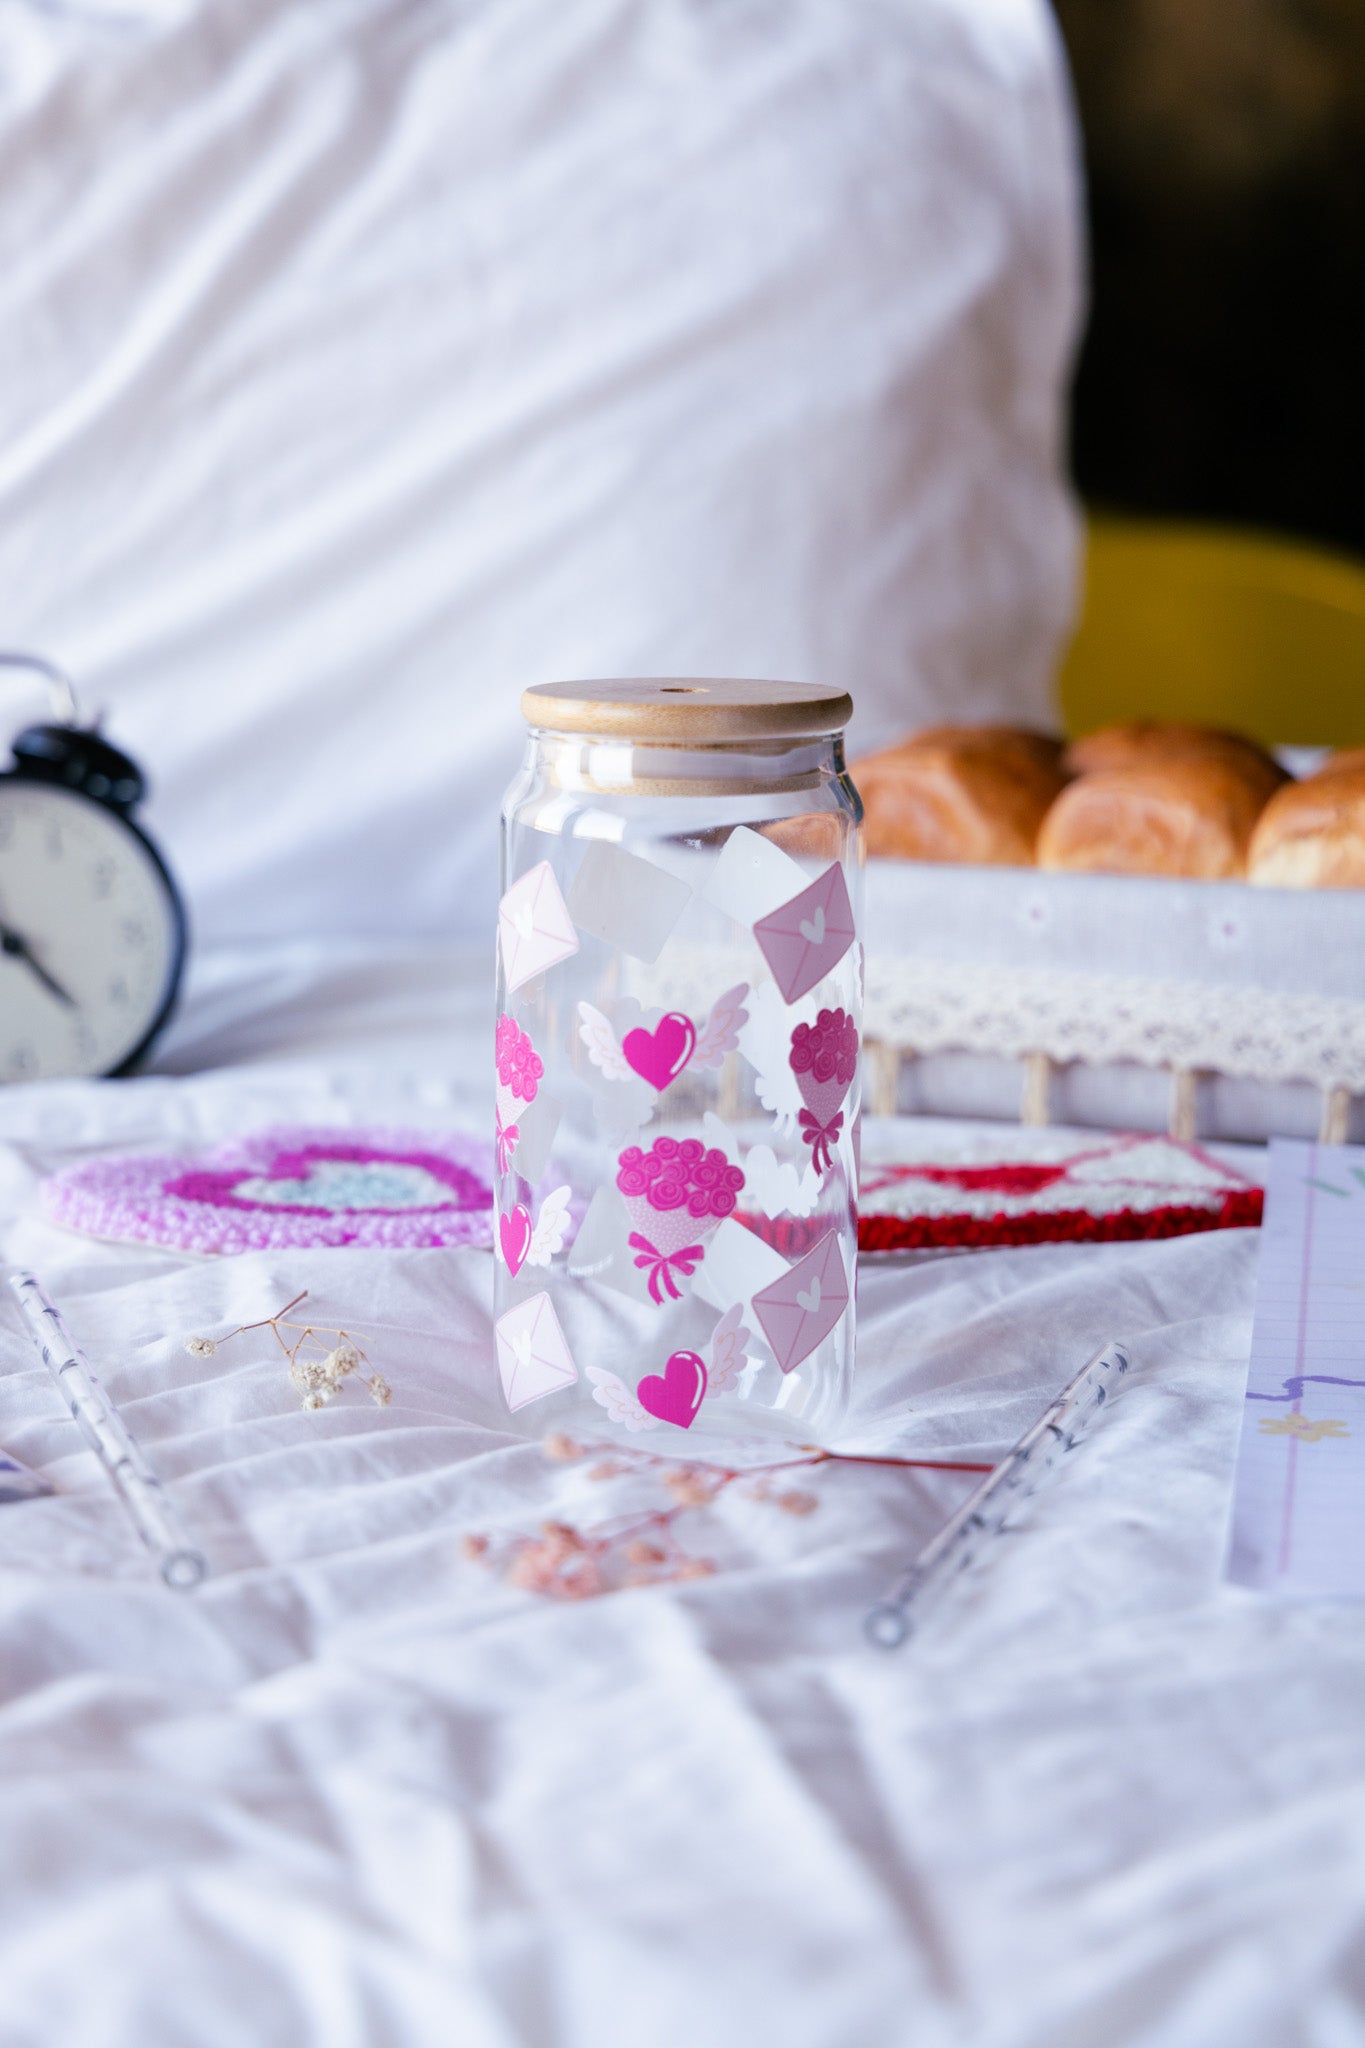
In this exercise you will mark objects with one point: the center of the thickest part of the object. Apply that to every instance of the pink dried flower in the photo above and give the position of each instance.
(565, 1563)
(564, 1448)
(584, 1584)
(533, 1569)
(689, 1490)
(797, 1503)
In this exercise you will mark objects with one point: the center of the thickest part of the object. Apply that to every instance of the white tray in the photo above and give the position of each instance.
(1211, 1008)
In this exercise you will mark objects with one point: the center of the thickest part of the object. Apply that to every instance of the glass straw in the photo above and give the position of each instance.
(989, 1507)
(151, 1514)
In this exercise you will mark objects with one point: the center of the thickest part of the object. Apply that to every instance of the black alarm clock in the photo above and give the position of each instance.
(92, 931)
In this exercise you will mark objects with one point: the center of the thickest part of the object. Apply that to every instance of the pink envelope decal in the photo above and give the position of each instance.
(808, 935)
(798, 1311)
(533, 1355)
(534, 926)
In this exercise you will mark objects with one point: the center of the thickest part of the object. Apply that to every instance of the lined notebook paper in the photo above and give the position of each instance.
(1298, 1521)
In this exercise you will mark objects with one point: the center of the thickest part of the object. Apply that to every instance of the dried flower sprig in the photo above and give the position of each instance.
(567, 1563)
(316, 1368)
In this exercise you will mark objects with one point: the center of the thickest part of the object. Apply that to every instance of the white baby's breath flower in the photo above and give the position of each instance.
(315, 1400)
(335, 1365)
(380, 1391)
(200, 1347)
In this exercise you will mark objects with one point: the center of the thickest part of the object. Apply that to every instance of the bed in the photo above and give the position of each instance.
(362, 1787)
(373, 1782)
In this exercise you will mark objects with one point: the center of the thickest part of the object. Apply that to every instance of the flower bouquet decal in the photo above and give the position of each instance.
(520, 1071)
(677, 1195)
(824, 1059)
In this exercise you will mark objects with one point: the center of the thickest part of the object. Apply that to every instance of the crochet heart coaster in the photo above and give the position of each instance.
(287, 1187)
(1040, 1187)
(1050, 1190)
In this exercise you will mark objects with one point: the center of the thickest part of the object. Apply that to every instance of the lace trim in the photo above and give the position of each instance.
(924, 1006)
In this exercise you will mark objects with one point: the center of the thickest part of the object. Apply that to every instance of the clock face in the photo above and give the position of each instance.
(90, 936)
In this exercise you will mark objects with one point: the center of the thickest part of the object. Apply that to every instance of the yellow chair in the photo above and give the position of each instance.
(1218, 627)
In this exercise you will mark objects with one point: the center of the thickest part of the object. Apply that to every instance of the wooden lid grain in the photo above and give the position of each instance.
(688, 710)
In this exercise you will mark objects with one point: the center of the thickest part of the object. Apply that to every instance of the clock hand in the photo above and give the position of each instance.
(17, 946)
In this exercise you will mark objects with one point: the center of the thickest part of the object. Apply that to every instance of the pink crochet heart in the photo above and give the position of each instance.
(676, 1394)
(288, 1185)
(514, 1235)
(659, 1056)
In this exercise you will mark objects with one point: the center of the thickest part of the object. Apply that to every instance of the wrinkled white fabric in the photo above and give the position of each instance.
(363, 363)
(360, 1791)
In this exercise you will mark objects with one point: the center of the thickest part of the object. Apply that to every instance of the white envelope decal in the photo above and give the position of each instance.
(752, 877)
(533, 1354)
(736, 1265)
(626, 901)
(804, 939)
(534, 926)
(798, 1311)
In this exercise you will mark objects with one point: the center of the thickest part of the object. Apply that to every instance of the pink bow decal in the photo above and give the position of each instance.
(821, 1138)
(507, 1135)
(661, 1265)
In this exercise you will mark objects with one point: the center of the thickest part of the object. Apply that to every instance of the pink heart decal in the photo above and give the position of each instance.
(676, 1394)
(659, 1056)
(514, 1235)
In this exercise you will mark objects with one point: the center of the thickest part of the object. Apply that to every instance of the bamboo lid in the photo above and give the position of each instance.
(691, 710)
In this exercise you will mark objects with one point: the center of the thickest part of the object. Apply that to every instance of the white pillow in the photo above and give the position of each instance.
(363, 363)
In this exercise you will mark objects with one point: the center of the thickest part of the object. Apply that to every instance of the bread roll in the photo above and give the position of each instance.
(1189, 814)
(1145, 740)
(1312, 834)
(813, 835)
(1020, 743)
(1350, 760)
(960, 793)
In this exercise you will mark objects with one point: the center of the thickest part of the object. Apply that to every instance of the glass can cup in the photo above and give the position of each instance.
(679, 1020)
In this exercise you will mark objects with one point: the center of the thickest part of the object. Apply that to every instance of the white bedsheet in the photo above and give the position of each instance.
(359, 1791)
(362, 362)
